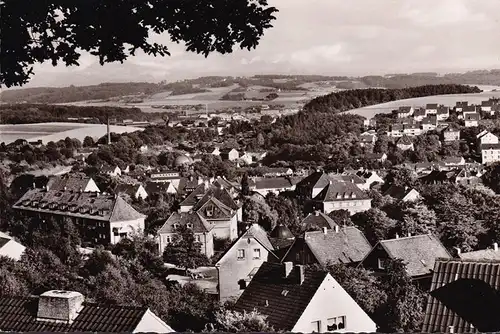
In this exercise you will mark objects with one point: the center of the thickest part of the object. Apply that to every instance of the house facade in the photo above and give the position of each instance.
(451, 134)
(342, 195)
(274, 185)
(485, 137)
(471, 120)
(490, 153)
(404, 112)
(229, 154)
(241, 261)
(295, 299)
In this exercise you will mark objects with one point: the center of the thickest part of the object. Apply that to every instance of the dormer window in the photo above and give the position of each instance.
(336, 323)
(339, 196)
(176, 226)
(353, 195)
(189, 225)
(381, 263)
(209, 212)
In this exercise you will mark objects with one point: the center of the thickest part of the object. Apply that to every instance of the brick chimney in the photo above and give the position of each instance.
(59, 306)
(288, 266)
(300, 273)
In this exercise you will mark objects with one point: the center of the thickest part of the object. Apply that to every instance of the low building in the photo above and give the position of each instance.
(405, 111)
(340, 245)
(379, 157)
(443, 113)
(451, 133)
(296, 299)
(342, 195)
(485, 137)
(370, 178)
(395, 130)
(412, 130)
(467, 110)
(490, 153)
(135, 191)
(459, 106)
(68, 312)
(202, 230)
(483, 254)
(242, 260)
(273, 185)
(367, 139)
(72, 182)
(10, 248)
(404, 143)
(171, 176)
(230, 154)
(471, 120)
(431, 109)
(443, 317)
(486, 106)
(111, 170)
(405, 194)
(278, 171)
(101, 218)
(429, 123)
(418, 252)
(419, 114)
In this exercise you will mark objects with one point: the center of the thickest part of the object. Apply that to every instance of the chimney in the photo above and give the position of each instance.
(495, 247)
(300, 272)
(397, 236)
(409, 234)
(288, 268)
(108, 132)
(34, 185)
(325, 230)
(458, 250)
(65, 188)
(316, 213)
(336, 229)
(59, 306)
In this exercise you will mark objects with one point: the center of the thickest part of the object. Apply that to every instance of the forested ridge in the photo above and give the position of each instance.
(357, 98)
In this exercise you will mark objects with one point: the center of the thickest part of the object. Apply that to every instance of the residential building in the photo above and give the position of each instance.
(171, 176)
(135, 191)
(379, 157)
(490, 153)
(68, 312)
(10, 248)
(273, 185)
(72, 182)
(486, 106)
(411, 130)
(160, 188)
(471, 119)
(278, 171)
(404, 143)
(429, 123)
(485, 137)
(317, 220)
(346, 245)
(466, 110)
(443, 113)
(347, 177)
(404, 112)
(419, 114)
(454, 161)
(370, 178)
(101, 218)
(188, 184)
(451, 133)
(405, 194)
(342, 195)
(369, 123)
(483, 254)
(367, 139)
(223, 217)
(431, 109)
(241, 261)
(312, 185)
(296, 299)
(111, 170)
(230, 154)
(202, 230)
(459, 106)
(214, 150)
(418, 252)
(395, 130)
(443, 318)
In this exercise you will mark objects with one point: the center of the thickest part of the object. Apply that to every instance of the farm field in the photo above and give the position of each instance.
(56, 131)
(447, 100)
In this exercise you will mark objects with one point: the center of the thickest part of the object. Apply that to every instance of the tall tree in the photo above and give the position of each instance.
(184, 251)
(58, 31)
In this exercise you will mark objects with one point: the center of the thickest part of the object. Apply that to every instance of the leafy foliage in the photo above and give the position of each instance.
(184, 251)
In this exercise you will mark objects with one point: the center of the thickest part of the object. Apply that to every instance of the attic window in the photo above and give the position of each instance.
(209, 212)
(284, 292)
(353, 195)
(189, 225)
(339, 196)
(336, 323)
(176, 226)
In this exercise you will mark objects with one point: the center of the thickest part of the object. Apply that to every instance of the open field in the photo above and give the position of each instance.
(447, 100)
(56, 131)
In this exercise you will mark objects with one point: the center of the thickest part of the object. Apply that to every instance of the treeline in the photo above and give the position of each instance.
(39, 113)
(78, 93)
(352, 99)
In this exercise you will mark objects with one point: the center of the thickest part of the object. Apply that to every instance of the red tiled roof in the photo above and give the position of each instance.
(19, 314)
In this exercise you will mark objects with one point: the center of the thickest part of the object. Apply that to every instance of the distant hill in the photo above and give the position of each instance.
(203, 84)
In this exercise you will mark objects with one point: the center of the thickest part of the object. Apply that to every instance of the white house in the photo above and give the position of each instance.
(112, 171)
(404, 111)
(471, 119)
(450, 133)
(10, 248)
(490, 153)
(273, 185)
(230, 154)
(485, 137)
(431, 109)
(405, 194)
(370, 177)
(300, 300)
(443, 113)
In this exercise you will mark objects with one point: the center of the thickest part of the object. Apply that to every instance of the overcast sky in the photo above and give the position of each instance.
(332, 37)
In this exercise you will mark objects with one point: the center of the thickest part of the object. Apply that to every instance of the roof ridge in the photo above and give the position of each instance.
(408, 237)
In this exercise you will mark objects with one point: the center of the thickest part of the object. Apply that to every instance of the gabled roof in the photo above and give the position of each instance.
(340, 191)
(218, 209)
(398, 192)
(442, 110)
(419, 112)
(490, 146)
(317, 220)
(483, 254)
(345, 246)
(404, 140)
(259, 234)
(70, 182)
(130, 189)
(200, 225)
(282, 310)
(438, 317)
(122, 211)
(418, 252)
(472, 117)
(221, 194)
(273, 183)
(195, 196)
(352, 178)
(19, 314)
(315, 180)
(431, 106)
(157, 187)
(404, 109)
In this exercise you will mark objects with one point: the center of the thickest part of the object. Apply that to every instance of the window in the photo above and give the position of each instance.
(335, 323)
(241, 254)
(316, 326)
(256, 254)
(381, 263)
(197, 238)
(189, 225)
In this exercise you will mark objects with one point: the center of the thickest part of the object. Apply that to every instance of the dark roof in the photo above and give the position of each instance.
(221, 194)
(200, 225)
(443, 110)
(317, 220)
(452, 128)
(19, 314)
(95, 206)
(212, 208)
(438, 317)
(398, 192)
(418, 252)
(272, 183)
(130, 189)
(488, 103)
(353, 178)
(195, 196)
(340, 191)
(490, 146)
(404, 141)
(462, 103)
(3, 241)
(396, 127)
(282, 310)
(467, 108)
(315, 180)
(156, 187)
(483, 254)
(431, 106)
(419, 112)
(70, 181)
(453, 160)
(404, 109)
(472, 117)
(345, 246)
(281, 231)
